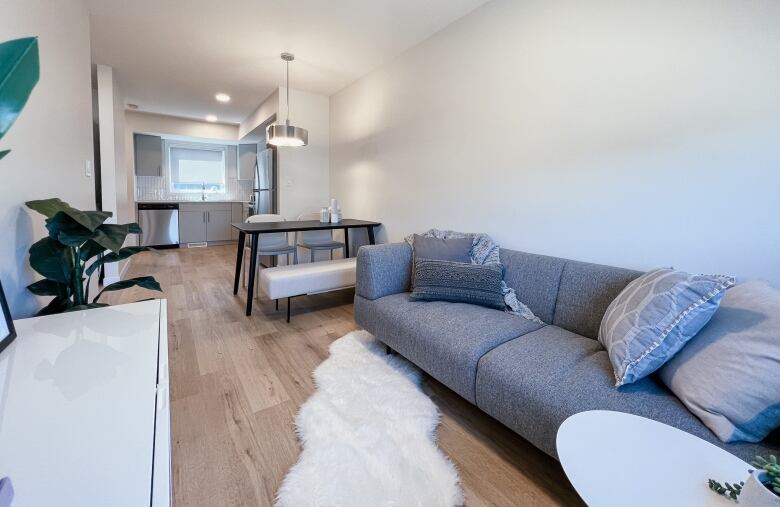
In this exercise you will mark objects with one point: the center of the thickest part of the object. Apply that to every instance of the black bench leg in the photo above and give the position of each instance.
(288, 309)
(277, 304)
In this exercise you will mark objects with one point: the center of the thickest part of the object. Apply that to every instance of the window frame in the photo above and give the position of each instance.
(171, 144)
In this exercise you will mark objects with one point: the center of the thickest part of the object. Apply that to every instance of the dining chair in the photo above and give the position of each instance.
(272, 244)
(317, 240)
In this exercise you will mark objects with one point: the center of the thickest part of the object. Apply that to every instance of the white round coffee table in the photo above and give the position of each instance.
(612, 458)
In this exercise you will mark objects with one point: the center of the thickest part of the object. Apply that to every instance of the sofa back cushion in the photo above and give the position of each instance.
(570, 294)
(585, 292)
(535, 280)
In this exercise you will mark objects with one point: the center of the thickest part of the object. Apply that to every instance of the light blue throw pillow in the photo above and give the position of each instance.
(654, 316)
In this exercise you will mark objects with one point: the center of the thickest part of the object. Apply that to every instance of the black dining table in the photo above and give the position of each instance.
(256, 228)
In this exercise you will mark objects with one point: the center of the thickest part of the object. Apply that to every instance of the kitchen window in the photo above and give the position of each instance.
(195, 167)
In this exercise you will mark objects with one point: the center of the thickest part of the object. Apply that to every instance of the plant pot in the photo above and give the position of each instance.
(756, 494)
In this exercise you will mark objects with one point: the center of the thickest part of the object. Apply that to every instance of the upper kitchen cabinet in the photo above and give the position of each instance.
(247, 159)
(231, 162)
(148, 155)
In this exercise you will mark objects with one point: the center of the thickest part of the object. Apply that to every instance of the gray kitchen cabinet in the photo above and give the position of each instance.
(148, 155)
(192, 227)
(205, 221)
(218, 225)
(247, 158)
(231, 162)
(237, 212)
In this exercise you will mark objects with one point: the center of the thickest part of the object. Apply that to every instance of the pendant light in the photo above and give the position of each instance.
(286, 134)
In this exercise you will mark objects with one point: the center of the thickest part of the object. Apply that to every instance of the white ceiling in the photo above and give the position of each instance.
(172, 56)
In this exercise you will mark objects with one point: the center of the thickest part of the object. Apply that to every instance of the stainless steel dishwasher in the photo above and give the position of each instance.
(159, 224)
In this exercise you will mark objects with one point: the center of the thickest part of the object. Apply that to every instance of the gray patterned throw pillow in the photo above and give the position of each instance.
(654, 316)
(457, 282)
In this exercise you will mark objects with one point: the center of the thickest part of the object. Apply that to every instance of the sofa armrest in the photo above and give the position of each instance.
(383, 270)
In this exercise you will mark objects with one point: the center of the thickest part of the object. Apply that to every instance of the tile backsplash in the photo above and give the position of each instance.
(156, 188)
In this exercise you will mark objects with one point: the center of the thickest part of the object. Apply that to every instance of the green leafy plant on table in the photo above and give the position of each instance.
(770, 466)
(19, 72)
(78, 244)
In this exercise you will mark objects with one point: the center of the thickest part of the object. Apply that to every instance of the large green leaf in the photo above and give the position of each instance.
(50, 207)
(122, 254)
(3, 153)
(47, 287)
(112, 236)
(56, 305)
(67, 231)
(19, 72)
(52, 259)
(147, 282)
(90, 249)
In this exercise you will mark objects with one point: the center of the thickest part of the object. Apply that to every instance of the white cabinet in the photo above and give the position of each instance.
(85, 417)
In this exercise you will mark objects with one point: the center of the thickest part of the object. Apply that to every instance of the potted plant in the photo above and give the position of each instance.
(78, 244)
(762, 488)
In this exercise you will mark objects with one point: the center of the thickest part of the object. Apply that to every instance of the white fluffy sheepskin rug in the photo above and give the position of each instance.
(368, 435)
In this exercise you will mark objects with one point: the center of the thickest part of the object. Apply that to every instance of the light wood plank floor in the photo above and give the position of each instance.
(237, 382)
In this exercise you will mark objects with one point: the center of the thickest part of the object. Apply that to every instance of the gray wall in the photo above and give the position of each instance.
(634, 133)
(51, 140)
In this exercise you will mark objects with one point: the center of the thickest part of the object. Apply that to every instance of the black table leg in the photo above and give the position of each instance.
(250, 290)
(346, 240)
(289, 300)
(370, 230)
(239, 259)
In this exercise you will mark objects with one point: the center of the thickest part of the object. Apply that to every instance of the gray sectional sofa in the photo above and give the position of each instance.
(531, 377)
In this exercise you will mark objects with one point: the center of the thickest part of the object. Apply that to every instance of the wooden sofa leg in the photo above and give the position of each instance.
(288, 309)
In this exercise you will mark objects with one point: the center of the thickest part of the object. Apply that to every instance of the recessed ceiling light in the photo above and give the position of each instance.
(211, 118)
(222, 97)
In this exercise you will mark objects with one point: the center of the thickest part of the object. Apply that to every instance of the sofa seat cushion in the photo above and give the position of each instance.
(534, 382)
(444, 339)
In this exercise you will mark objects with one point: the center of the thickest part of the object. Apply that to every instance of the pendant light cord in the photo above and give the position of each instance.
(288, 92)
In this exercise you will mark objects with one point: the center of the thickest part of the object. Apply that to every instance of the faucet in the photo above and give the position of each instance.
(203, 191)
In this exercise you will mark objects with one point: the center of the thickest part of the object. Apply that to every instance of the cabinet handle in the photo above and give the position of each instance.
(204, 217)
(208, 216)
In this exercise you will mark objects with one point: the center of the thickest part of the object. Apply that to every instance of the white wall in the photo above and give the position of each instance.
(638, 133)
(264, 112)
(115, 193)
(52, 138)
(304, 172)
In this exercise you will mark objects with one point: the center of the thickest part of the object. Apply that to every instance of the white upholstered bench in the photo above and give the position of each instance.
(309, 278)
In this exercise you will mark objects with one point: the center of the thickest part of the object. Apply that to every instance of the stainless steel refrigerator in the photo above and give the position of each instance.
(264, 189)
